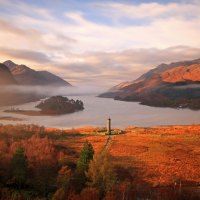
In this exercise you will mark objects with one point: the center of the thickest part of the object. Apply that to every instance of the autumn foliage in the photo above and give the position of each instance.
(146, 163)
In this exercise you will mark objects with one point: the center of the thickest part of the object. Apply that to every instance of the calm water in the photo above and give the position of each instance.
(97, 110)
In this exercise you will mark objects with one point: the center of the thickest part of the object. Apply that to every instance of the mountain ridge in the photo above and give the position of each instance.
(161, 86)
(27, 76)
(12, 74)
(6, 77)
(11, 97)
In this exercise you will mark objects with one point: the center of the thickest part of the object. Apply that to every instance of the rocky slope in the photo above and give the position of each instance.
(182, 74)
(27, 76)
(173, 85)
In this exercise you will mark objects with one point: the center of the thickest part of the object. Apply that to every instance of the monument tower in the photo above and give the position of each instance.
(109, 126)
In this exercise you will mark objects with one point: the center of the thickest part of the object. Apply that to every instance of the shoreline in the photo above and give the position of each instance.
(30, 113)
(88, 127)
(9, 118)
(35, 113)
(129, 128)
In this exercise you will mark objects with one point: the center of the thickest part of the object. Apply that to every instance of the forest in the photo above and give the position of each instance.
(34, 165)
(42, 163)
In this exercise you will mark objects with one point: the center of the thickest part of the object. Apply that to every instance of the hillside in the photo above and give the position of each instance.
(9, 95)
(6, 77)
(27, 76)
(173, 85)
(12, 74)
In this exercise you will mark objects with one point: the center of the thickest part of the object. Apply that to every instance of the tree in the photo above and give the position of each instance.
(79, 178)
(86, 194)
(64, 176)
(63, 182)
(19, 166)
(90, 193)
(101, 173)
(59, 194)
(120, 191)
(86, 156)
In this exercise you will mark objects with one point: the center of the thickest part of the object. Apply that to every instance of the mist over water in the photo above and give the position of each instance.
(54, 90)
(191, 86)
(97, 110)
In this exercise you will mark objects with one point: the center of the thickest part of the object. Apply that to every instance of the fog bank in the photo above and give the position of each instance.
(53, 90)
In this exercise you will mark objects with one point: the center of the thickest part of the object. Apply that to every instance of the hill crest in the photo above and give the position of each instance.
(27, 76)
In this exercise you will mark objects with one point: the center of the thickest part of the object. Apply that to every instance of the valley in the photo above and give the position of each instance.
(99, 100)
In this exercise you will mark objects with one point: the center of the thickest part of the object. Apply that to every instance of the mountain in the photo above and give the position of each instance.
(8, 92)
(12, 75)
(173, 85)
(55, 80)
(27, 76)
(6, 78)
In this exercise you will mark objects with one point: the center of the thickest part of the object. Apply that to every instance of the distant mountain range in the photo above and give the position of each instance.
(27, 76)
(12, 74)
(174, 85)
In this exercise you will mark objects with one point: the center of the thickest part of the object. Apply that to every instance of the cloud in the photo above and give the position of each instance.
(13, 35)
(26, 9)
(25, 55)
(111, 68)
(160, 27)
(168, 25)
(102, 44)
(148, 11)
(107, 69)
(191, 86)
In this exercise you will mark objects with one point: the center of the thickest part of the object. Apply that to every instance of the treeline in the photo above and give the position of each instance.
(28, 165)
(32, 167)
(20, 131)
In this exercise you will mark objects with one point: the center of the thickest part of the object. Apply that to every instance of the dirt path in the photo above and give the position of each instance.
(109, 140)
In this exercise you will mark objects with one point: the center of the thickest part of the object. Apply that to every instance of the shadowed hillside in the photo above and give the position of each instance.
(6, 77)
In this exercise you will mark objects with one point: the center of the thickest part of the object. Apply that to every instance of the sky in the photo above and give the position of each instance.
(99, 42)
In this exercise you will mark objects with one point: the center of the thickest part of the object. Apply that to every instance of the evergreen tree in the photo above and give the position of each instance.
(19, 166)
(86, 156)
(79, 179)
